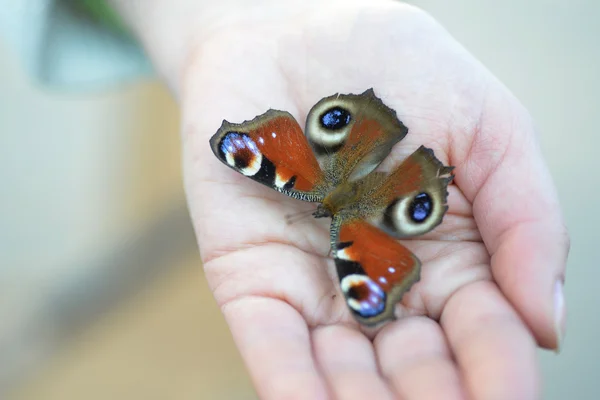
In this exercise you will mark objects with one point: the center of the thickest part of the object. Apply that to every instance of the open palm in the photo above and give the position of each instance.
(492, 271)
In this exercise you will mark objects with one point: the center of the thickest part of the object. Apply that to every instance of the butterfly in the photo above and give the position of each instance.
(346, 137)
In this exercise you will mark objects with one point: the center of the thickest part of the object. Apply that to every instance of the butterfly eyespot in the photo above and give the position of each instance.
(335, 118)
(241, 153)
(363, 295)
(420, 208)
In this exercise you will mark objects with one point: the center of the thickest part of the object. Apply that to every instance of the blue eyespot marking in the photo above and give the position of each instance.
(420, 208)
(367, 297)
(239, 150)
(335, 118)
(233, 142)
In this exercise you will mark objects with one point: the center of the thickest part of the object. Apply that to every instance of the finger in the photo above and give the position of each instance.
(274, 342)
(347, 360)
(517, 210)
(414, 357)
(493, 348)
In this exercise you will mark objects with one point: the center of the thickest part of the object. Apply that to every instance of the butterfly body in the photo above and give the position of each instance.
(332, 163)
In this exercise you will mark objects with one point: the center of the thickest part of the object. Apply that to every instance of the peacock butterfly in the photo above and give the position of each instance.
(347, 137)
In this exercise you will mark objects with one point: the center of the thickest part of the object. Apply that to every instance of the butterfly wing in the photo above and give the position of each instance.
(271, 149)
(374, 269)
(352, 134)
(414, 196)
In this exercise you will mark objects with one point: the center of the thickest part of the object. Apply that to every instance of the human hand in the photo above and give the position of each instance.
(491, 281)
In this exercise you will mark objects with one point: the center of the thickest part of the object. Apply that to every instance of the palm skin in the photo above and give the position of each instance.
(469, 328)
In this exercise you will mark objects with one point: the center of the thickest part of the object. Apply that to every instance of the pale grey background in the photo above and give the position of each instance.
(548, 54)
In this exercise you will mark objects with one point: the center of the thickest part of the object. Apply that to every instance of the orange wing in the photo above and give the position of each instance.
(374, 270)
(271, 149)
(413, 198)
(352, 134)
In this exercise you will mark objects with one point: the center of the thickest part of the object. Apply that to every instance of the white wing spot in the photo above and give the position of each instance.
(352, 280)
(273, 134)
(230, 159)
(279, 182)
(392, 270)
(354, 304)
(342, 255)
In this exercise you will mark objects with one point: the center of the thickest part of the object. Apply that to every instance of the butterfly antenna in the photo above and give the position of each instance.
(296, 217)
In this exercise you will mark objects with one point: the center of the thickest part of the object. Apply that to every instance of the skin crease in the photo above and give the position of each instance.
(485, 298)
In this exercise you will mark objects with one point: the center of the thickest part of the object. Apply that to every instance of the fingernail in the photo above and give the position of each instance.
(560, 314)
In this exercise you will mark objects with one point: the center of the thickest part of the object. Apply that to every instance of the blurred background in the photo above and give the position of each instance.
(102, 293)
